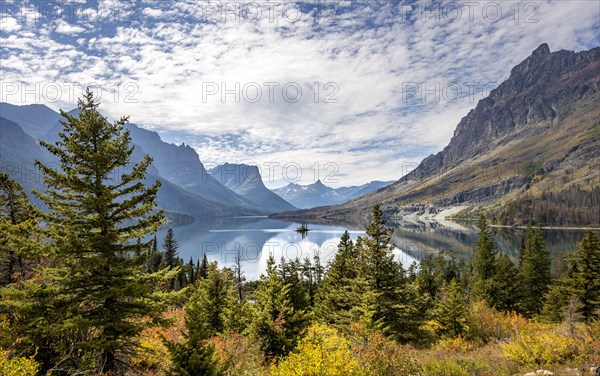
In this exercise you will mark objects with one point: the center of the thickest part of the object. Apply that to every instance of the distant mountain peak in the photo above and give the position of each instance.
(541, 51)
(246, 181)
(543, 117)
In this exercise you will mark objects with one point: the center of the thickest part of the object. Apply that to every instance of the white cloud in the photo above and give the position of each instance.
(64, 27)
(9, 24)
(152, 12)
(156, 69)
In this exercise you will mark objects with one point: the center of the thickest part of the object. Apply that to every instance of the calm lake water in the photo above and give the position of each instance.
(257, 237)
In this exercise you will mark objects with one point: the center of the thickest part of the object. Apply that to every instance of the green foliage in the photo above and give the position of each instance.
(340, 292)
(17, 366)
(195, 355)
(534, 272)
(203, 270)
(212, 296)
(92, 297)
(170, 246)
(275, 324)
(584, 276)
(389, 301)
(505, 285)
(170, 259)
(452, 311)
(18, 221)
(484, 262)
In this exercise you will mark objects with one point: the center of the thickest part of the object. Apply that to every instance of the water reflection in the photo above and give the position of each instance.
(257, 237)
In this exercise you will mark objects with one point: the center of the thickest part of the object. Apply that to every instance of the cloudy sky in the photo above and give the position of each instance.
(345, 91)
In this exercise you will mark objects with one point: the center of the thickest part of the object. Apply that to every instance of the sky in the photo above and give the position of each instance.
(342, 91)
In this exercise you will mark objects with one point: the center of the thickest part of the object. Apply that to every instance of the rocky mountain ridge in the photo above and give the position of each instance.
(538, 131)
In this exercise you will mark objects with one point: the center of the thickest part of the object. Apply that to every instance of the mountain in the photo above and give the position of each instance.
(181, 166)
(246, 181)
(318, 194)
(34, 119)
(537, 135)
(18, 150)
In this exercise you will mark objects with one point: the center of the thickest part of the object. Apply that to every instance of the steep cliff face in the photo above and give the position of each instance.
(181, 166)
(541, 92)
(246, 181)
(537, 131)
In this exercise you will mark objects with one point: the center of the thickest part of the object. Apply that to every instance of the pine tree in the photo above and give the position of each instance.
(18, 221)
(484, 262)
(397, 303)
(212, 297)
(584, 276)
(170, 258)
(234, 313)
(194, 356)
(290, 273)
(505, 287)
(274, 321)
(95, 221)
(190, 272)
(339, 294)
(203, 271)
(170, 247)
(452, 311)
(534, 272)
(429, 277)
(154, 257)
(555, 301)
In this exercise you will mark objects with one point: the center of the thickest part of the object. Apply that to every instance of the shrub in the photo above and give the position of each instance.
(551, 344)
(322, 352)
(237, 355)
(16, 366)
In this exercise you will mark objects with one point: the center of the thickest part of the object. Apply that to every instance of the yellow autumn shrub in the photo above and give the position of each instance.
(487, 324)
(16, 366)
(152, 356)
(379, 355)
(322, 352)
(550, 344)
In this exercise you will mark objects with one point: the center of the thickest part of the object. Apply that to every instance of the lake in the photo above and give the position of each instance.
(257, 237)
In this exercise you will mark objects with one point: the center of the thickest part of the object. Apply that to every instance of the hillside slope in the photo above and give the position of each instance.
(537, 132)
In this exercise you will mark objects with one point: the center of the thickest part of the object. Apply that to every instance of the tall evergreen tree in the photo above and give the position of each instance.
(505, 287)
(95, 220)
(395, 303)
(154, 257)
(170, 259)
(194, 356)
(484, 262)
(17, 224)
(190, 272)
(212, 297)
(534, 272)
(291, 276)
(203, 270)
(451, 312)
(338, 295)
(584, 276)
(274, 322)
(170, 250)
